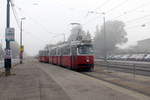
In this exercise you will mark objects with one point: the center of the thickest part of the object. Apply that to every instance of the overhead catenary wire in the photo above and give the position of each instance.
(34, 21)
(103, 4)
(144, 24)
(100, 6)
(37, 24)
(15, 13)
(128, 21)
(117, 6)
(120, 4)
(132, 10)
(125, 13)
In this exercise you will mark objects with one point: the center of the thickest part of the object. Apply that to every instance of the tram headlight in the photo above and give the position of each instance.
(87, 60)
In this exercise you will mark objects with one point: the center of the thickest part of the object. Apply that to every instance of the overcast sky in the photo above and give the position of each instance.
(46, 19)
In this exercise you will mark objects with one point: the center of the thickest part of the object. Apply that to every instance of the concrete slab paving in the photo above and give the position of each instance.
(39, 81)
(81, 87)
(30, 83)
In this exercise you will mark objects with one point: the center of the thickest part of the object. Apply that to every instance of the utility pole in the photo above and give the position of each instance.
(105, 44)
(21, 46)
(7, 58)
(64, 37)
(105, 41)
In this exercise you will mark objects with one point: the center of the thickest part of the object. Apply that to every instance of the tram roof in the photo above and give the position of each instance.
(72, 43)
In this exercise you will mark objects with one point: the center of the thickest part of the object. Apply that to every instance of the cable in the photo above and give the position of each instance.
(137, 18)
(100, 6)
(91, 20)
(120, 4)
(142, 25)
(35, 21)
(15, 13)
(130, 11)
(133, 10)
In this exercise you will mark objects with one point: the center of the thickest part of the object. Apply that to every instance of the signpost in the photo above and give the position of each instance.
(7, 54)
(10, 34)
(22, 48)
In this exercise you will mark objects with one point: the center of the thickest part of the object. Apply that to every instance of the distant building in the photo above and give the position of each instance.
(143, 46)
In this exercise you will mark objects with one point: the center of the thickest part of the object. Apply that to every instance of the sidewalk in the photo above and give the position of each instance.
(82, 87)
(39, 81)
(30, 83)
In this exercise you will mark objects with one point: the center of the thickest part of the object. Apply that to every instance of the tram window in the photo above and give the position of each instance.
(62, 51)
(46, 53)
(74, 51)
(54, 52)
(51, 53)
(59, 52)
(66, 51)
(43, 53)
(85, 49)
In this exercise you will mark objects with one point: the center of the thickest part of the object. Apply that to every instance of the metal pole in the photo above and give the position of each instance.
(7, 59)
(64, 37)
(21, 53)
(105, 43)
(105, 46)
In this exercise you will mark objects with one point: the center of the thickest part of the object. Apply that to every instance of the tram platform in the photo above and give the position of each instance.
(38, 81)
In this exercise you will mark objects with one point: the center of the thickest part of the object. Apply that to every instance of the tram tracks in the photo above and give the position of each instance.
(130, 84)
(135, 68)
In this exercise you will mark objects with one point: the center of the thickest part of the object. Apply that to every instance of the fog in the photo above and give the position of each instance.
(47, 20)
(110, 35)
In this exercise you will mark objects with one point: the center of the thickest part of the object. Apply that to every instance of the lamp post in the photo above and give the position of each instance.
(105, 42)
(21, 46)
(7, 58)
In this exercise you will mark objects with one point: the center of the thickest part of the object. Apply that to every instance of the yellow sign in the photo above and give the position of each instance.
(22, 48)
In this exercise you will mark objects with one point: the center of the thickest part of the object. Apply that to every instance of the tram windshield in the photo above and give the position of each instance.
(85, 49)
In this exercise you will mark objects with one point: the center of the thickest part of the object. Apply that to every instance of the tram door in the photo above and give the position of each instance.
(73, 56)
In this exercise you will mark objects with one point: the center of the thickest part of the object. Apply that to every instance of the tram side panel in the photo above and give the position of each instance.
(50, 59)
(85, 61)
(58, 56)
(66, 61)
(46, 59)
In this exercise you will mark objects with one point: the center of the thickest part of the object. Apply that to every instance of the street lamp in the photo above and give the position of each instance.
(105, 44)
(21, 46)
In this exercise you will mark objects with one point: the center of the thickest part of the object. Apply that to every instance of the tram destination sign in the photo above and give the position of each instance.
(10, 34)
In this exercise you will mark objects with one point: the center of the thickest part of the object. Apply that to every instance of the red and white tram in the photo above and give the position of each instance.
(73, 55)
(43, 56)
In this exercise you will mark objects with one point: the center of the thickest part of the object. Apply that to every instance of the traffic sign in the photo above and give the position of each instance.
(22, 48)
(10, 34)
(7, 54)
